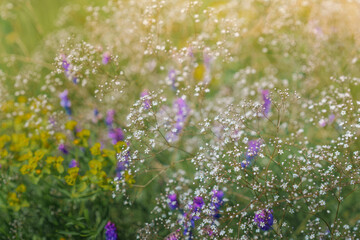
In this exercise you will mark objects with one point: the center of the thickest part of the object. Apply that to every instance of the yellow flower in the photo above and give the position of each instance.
(95, 166)
(95, 150)
(50, 160)
(108, 153)
(21, 188)
(25, 156)
(19, 142)
(58, 164)
(199, 72)
(60, 137)
(22, 99)
(120, 146)
(39, 154)
(13, 201)
(71, 178)
(25, 169)
(129, 178)
(71, 125)
(84, 134)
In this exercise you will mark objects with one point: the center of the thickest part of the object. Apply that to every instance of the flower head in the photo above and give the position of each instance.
(116, 135)
(65, 102)
(264, 219)
(173, 202)
(267, 102)
(106, 58)
(73, 163)
(110, 231)
(144, 94)
(110, 118)
(63, 148)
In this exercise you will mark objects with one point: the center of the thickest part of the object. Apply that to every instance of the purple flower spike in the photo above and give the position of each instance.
(116, 135)
(67, 69)
(65, 102)
(173, 202)
(106, 58)
(73, 163)
(182, 112)
(217, 198)
(172, 78)
(264, 219)
(253, 150)
(110, 118)
(174, 235)
(63, 149)
(267, 102)
(145, 95)
(198, 203)
(110, 231)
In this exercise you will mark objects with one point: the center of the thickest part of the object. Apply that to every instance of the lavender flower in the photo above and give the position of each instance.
(73, 163)
(173, 202)
(172, 78)
(63, 149)
(217, 202)
(116, 135)
(267, 102)
(110, 118)
(106, 58)
(65, 102)
(67, 69)
(264, 219)
(182, 112)
(144, 94)
(122, 164)
(173, 236)
(253, 150)
(198, 203)
(110, 231)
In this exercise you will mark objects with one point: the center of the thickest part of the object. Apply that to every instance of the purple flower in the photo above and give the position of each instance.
(264, 219)
(198, 203)
(67, 69)
(267, 102)
(253, 150)
(182, 112)
(106, 58)
(73, 163)
(63, 149)
(217, 198)
(172, 78)
(110, 231)
(145, 94)
(116, 135)
(110, 118)
(173, 236)
(173, 202)
(65, 102)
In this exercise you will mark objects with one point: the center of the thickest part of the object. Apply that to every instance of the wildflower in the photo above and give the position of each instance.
(217, 202)
(96, 149)
(68, 69)
(144, 95)
(264, 219)
(71, 178)
(110, 118)
(173, 202)
(324, 122)
(73, 163)
(65, 102)
(106, 58)
(173, 235)
(122, 164)
(198, 203)
(253, 150)
(116, 135)
(182, 112)
(110, 231)
(267, 102)
(63, 149)
(172, 78)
